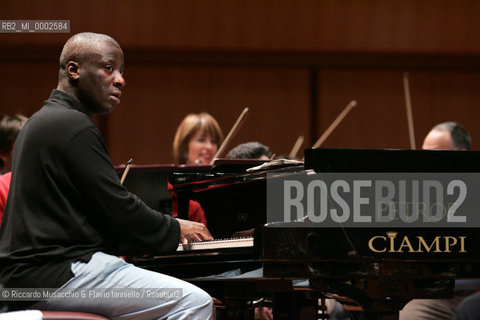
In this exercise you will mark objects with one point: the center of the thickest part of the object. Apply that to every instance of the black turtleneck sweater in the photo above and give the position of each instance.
(66, 202)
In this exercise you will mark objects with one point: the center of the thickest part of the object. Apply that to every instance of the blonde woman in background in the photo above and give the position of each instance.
(196, 142)
(197, 139)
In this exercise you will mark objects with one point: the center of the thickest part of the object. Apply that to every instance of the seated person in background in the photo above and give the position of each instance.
(448, 136)
(195, 210)
(250, 150)
(444, 136)
(10, 126)
(68, 217)
(197, 139)
(196, 142)
(4, 186)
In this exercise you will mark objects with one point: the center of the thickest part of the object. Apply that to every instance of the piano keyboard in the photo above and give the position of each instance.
(217, 244)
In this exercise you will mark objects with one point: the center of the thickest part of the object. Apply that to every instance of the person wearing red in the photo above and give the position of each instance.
(196, 143)
(4, 186)
(10, 126)
(195, 210)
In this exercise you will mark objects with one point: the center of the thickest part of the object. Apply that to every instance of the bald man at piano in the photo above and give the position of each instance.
(68, 217)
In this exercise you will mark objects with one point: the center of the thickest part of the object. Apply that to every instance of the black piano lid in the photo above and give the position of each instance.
(391, 160)
(232, 203)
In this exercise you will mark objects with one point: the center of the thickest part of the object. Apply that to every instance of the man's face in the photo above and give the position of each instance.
(438, 140)
(101, 78)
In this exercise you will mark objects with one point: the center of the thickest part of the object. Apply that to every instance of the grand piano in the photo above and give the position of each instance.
(337, 262)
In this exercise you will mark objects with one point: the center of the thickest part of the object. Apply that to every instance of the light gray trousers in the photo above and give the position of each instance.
(110, 287)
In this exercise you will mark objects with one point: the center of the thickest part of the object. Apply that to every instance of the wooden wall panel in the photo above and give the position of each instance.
(157, 98)
(25, 85)
(379, 120)
(220, 56)
(408, 26)
(446, 96)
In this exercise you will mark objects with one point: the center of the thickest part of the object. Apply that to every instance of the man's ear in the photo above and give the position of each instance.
(72, 69)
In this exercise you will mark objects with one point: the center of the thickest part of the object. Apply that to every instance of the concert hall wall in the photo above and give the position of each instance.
(295, 64)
